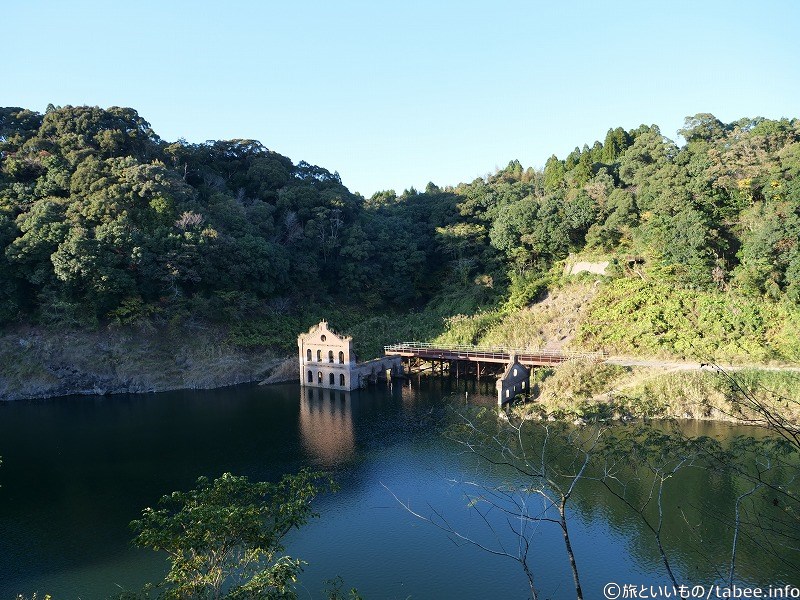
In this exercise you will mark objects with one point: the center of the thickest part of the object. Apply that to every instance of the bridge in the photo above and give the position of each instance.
(446, 354)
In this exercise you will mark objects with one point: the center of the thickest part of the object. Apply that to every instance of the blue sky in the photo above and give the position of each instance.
(397, 94)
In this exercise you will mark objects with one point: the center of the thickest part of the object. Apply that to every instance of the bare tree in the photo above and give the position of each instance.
(640, 462)
(766, 473)
(483, 500)
(541, 464)
(756, 404)
(188, 219)
(648, 458)
(292, 228)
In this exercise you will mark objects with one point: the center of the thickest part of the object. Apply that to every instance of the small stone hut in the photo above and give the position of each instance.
(516, 379)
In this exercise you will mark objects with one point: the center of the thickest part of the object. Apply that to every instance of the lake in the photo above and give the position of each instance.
(77, 470)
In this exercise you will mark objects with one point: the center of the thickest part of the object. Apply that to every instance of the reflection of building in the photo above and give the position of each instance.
(326, 424)
(327, 360)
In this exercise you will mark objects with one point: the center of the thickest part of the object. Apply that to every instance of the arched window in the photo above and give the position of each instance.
(341, 358)
(310, 375)
(330, 356)
(319, 355)
(308, 355)
(319, 377)
(331, 379)
(323, 338)
(515, 371)
(341, 379)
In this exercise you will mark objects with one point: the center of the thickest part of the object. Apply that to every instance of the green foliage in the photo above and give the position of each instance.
(616, 142)
(17, 125)
(334, 587)
(654, 317)
(131, 311)
(526, 289)
(224, 539)
(770, 254)
(466, 330)
(536, 231)
(101, 220)
(370, 332)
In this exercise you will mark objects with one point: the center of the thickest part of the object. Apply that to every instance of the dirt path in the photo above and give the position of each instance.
(676, 365)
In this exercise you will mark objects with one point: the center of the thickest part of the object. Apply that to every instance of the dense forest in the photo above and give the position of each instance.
(102, 221)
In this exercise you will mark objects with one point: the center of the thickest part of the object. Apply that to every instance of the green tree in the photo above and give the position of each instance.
(9, 285)
(224, 539)
(553, 174)
(702, 126)
(769, 254)
(356, 275)
(76, 132)
(17, 125)
(617, 141)
(683, 240)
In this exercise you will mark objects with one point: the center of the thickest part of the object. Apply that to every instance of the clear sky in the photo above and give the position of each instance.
(395, 94)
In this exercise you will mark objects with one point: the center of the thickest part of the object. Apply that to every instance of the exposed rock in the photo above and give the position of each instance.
(38, 363)
(287, 370)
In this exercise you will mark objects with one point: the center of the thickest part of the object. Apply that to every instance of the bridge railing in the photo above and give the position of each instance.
(495, 352)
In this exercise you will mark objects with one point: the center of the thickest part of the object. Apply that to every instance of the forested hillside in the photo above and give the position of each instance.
(102, 221)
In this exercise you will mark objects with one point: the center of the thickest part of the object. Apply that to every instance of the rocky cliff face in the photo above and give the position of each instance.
(37, 363)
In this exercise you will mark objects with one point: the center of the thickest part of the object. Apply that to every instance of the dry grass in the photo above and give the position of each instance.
(551, 323)
(588, 390)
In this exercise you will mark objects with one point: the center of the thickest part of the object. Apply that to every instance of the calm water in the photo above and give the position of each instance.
(76, 471)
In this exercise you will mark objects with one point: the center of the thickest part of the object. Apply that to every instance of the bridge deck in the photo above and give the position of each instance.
(489, 355)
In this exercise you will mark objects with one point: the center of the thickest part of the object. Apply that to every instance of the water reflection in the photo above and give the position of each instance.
(326, 424)
(77, 471)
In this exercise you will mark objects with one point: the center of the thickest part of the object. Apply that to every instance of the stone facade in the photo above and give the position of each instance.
(327, 360)
(597, 268)
(516, 379)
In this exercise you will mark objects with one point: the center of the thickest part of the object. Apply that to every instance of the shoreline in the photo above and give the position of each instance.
(631, 396)
(39, 364)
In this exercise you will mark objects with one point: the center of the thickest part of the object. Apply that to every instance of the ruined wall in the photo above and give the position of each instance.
(514, 380)
(598, 268)
(326, 358)
(376, 370)
(327, 361)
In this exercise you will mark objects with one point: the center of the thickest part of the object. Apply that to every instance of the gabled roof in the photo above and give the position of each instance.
(322, 327)
(514, 363)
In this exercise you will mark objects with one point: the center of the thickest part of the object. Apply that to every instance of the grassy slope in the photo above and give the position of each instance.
(627, 316)
(586, 390)
(649, 318)
(549, 323)
(642, 318)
